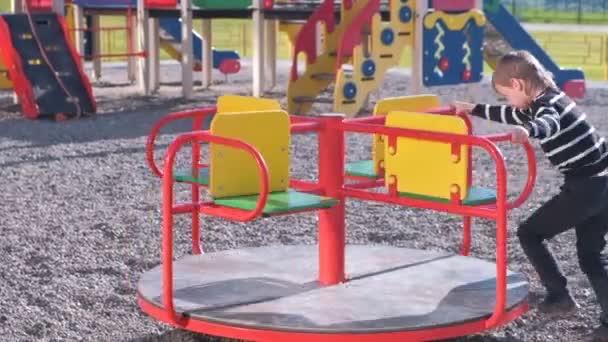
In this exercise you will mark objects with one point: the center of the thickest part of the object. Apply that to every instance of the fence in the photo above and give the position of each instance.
(588, 51)
(560, 11)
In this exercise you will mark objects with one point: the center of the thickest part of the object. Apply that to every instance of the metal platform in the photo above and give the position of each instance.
(388, 290)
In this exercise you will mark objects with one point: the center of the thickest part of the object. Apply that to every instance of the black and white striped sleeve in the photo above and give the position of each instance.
(545, 124)
(503, 114)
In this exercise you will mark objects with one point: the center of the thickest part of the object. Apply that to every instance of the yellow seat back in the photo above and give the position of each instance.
(233, 172)
(427, 168)
(239, 104)
(416, 103)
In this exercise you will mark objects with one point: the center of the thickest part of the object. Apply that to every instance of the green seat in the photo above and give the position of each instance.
(476, 196)
(186, 176)
(362, 168)
(279, 202)
(222, 4)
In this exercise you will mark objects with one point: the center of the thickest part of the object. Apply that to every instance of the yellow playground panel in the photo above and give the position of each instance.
(414, 103)
(238, 103)
(408, 163)
(233, 172)
(290, 29)
(319, 75)
(5, 82)
(371, 60)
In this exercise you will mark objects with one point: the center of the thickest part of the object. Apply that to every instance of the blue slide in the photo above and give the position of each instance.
(173, 28)
(572, 81)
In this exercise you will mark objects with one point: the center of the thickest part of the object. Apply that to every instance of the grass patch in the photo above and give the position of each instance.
(539, 15)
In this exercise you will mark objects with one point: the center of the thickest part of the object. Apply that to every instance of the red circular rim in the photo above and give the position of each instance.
(243, 333)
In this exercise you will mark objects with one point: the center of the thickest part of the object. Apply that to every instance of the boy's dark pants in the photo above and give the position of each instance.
(582, 204)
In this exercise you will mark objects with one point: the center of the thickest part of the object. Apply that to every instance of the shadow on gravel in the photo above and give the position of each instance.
(21, 133)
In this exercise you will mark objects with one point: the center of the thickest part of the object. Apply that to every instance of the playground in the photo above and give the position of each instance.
(86, 217)
(82, 218)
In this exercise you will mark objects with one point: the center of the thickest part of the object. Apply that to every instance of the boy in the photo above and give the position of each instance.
(541, 111)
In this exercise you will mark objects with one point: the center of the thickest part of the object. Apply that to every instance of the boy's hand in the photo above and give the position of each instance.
(519, 135)
(463, 107)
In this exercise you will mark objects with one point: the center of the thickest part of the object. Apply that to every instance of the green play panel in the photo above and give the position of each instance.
(222, 4)
(476, 196)
(186, 176)
(279, 202)
(362, 168)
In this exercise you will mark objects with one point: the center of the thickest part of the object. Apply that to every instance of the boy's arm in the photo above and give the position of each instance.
(545, 124)
(504, 114)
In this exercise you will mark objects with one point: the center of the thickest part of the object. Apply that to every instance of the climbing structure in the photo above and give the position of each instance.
(352, 54)
(318, 41)
(375, 46)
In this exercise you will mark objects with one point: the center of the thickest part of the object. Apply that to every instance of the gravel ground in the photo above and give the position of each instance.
(81, 219)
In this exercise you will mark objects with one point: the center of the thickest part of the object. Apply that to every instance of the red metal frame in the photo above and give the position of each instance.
(197, 116)
(39, 5)
(195, 138)
(243, 333)
(331, 130)
(162, 3)
(83, 77)
(130, 14)
(12, 61)
(453, 5)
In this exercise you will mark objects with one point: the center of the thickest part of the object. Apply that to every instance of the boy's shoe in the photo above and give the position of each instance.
(558, 305)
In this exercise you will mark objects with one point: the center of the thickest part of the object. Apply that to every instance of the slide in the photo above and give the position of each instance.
(227, 62)
(44, 67)
(508, 33)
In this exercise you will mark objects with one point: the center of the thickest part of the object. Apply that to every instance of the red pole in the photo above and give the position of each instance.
(331, 221)
(197, 125)
(466, 240)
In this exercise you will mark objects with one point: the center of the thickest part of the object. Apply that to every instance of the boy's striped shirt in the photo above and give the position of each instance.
(567, 138)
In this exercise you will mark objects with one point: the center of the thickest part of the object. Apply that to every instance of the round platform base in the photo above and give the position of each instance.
(272, 293)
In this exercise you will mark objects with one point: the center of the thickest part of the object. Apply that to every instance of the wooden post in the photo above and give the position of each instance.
(96, 45)
(207, 58)
(154, 54)
(79, 32)
(59, 7)
(271, 51)
(131, 21)
(143, 65)
(417, 48)
(16, 6)
(187, 63)
(258, 48)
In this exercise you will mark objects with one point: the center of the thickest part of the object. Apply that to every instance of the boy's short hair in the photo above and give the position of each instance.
(524, 66)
